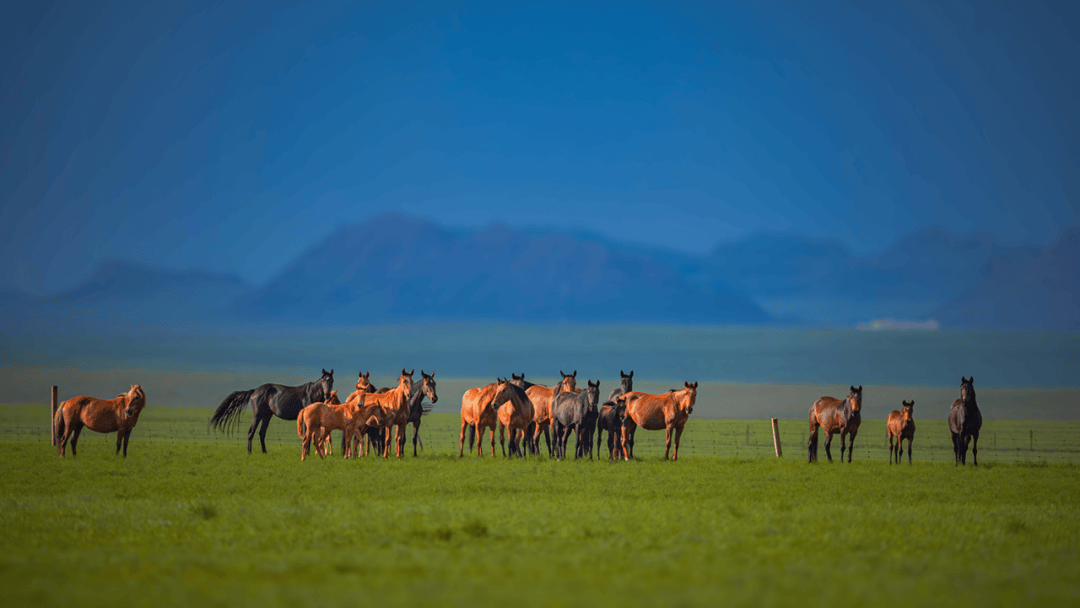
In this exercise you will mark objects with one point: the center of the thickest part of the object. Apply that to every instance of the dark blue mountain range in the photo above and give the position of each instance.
(395, 269)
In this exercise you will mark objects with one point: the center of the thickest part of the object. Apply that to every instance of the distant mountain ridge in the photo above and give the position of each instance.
(395, 268)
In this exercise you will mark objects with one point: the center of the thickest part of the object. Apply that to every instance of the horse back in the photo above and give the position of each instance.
(541, 397)
(647, 410)
(100, 415)
(827, 411)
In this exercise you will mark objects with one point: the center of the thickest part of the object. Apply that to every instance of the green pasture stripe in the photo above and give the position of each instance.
(183, 522)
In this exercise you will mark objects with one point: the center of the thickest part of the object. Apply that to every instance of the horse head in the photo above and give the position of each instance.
(323, 386)
(620, 408)
(405, 381)
(427, 385)
(627, 381)
(134, 400)
(967, 390)
(568, 384)
(855, 398)
(333, 399)
(592, 394)
(908, 410)
(363, 383)
(686, 401)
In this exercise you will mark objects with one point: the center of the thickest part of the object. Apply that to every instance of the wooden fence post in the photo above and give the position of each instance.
(776, 437)
(52, 427)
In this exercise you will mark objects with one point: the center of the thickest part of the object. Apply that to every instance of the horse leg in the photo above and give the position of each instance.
(828, 444)
(678, 437)
(127, 435)
(975, 448)
(262, 431)
(415, 437)
(843, 442)
(252, 430)
(850, 447)
(75, 438)
(667, 442)
(493, 441)
(909, 449)
(119, 440)
(502, 439)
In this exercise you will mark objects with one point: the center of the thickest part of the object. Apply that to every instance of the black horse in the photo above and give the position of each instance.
(965, 421)
(568, 413)
(417, 408)
(610, 421)
(269, 400)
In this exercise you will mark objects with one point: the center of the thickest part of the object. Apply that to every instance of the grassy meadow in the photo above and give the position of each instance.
(190, 517)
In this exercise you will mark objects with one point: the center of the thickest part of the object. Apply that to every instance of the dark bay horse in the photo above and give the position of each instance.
(479, 409)
(417, 408)
(101, 415)
(542, 398)
(569, 412)
(835, 416)
(901, 425)
(965, 421)
(271, 400)
(610, 417)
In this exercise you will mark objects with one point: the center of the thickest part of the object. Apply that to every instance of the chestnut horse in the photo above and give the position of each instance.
(117, 415)
(516, 417)
(835, 416)
(391, 405)
(965, 421)
(325, 417)
(478, 409)
(668, 411)
(901, 425)
(542, 398)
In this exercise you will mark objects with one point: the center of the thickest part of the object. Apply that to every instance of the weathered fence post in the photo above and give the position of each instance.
(52, 427)
(776, 437)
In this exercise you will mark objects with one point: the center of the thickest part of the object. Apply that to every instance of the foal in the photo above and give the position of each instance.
(901, 425)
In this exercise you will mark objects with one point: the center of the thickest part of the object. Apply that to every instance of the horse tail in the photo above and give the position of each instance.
(472, 436)
(300, 424)
(812, 444)
(229, 409)
(58, 423)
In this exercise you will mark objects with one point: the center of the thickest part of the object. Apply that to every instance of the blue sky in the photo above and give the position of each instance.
(231, 136)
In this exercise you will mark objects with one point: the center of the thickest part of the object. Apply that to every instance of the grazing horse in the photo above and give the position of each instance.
(965, 421)
(516, 417)
(901, 425)
(569, 413)
(321, 418)
(542, 397)
(271, 400)
(612, 422)
(668, 411)
(835, 416)
(102, 415)
(479, 410)
(610, 419)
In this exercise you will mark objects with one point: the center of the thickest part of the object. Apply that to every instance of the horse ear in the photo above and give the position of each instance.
(853, 389)
(694, 385)
(561, 372)
(574, 374)
(631, 374)
(686, 384)
(971, 380)
(413, 371)
(860, 388)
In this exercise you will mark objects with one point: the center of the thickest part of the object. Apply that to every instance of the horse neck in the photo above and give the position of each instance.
(416, 398)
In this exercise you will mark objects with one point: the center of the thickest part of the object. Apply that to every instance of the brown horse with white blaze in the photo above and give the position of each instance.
(117, 415)
(668, 411)
(901, 425)
(835, 416)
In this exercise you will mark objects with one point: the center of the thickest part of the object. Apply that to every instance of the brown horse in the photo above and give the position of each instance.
(668, 411)
(478, 409)
(835, 416)
(117, 415)
(322, 441)
(901, 425)
(389, 405)
(516, 417)
(965, 422)
(322, 418)
(542, 397)
(405, 415)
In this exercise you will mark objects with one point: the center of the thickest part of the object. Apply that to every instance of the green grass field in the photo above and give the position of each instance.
(192, 518)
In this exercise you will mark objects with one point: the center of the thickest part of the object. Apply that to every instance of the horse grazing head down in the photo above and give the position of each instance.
(967, 389)
(427, 386)
(134, 400)
(855, 398)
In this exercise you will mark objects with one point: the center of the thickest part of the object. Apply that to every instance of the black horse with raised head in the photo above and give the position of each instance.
(270, 400)
(965, 421)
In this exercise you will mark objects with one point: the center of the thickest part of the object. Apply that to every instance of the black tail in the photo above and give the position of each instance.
(472, 436)
(226, 413)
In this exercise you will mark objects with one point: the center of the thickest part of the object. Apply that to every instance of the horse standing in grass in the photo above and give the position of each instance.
(516, 417)
(569, 413)
(668, 411)
(610, 416)
(965, 421)
(321, 418)
(117, 415)
(393, 405)
(542, 398)
(835, 416)
(901, 425)
(610, 419)
(416, 409)
(479, 410)
(271, 400)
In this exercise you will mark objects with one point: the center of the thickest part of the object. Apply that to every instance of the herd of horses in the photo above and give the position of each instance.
(369, 417)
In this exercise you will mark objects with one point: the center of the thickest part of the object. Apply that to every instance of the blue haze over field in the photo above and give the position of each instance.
(271, 171)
